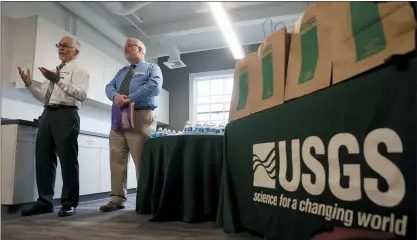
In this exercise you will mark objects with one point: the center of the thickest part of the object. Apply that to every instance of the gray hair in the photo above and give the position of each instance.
(140, 44)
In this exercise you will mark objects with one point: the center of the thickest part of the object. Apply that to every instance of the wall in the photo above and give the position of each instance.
(19, 103)
(176, 81)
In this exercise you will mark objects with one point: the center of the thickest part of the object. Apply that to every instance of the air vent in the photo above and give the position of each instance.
(175, 64)
(174, 60)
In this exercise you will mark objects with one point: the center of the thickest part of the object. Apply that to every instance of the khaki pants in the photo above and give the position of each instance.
(121, 143)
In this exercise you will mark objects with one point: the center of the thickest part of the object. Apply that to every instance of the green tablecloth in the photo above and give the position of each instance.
(347, 152)
(180, 178)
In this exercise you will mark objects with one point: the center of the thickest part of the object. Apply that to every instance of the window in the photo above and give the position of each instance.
(210, 96)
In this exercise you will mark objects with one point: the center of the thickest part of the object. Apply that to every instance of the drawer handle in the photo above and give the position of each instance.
(90, 141)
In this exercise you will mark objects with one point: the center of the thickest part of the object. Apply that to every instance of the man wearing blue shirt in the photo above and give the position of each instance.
(139, 83)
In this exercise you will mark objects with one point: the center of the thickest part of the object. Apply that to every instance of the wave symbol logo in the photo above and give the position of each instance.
(264, 171)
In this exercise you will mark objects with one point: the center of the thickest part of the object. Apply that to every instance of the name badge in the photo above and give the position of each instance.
(139, 74)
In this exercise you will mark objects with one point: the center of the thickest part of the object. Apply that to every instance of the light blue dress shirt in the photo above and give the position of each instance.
(144, 87)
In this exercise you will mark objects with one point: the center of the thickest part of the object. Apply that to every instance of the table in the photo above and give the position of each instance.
(347, 152)
(180, 178)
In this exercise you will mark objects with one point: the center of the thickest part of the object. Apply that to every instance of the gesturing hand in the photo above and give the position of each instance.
(25, 76)
(121, 100)
(50, 75)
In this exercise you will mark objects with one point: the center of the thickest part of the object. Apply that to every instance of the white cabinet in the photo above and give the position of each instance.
(93, 61)
(58, 180)
(18, 183)
(111, 67)
(105, 178)
(162, 111)
(131, 174)
(18, 175)
(90, 170)
(89, 161)
(24, 49)
(45, 51)
(34, 46)
(26, 190)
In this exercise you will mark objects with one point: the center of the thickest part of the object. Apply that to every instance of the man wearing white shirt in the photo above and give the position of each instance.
(62, 94)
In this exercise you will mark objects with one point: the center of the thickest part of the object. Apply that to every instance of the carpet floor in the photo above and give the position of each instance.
(89, 223)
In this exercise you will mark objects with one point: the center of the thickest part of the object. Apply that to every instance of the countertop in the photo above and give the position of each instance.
(6, 121)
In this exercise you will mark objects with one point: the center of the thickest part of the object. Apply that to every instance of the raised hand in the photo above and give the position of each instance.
(26, 78)
(50, 75)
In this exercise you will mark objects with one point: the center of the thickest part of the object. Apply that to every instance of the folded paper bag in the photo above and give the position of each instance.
(247, 72)
(310, 58)
(123, 117)
(365, 33)
(272, 56)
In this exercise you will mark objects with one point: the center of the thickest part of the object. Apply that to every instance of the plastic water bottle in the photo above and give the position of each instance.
(206, 128)
(159, 133)
(213, 128)
(218, 130)
(221, 128)
(153, 134)
(188, 128)
(165, 132)
(197, 128)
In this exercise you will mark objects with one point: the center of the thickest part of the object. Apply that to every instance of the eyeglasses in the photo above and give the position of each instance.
(133, 45)
(65, 45)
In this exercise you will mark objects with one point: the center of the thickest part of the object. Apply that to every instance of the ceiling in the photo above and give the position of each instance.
(189, 26)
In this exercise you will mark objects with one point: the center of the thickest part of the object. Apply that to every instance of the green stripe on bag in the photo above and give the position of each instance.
(267, 73)
(367, 29)
(309, 50)
(243, 91)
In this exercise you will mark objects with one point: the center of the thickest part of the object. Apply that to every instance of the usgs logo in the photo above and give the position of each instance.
(267, 155)
(308, 24)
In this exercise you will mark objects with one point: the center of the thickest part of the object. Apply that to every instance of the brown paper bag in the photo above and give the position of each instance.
(272, 56)
(246, 73)
(366, 33)
(310, 63)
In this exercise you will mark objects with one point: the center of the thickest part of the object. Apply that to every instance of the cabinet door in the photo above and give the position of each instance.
(24, 49)
(24, 185)
(162, 111)
(111, 67)
(89, 161)
(105, 171)
(46, 53)
(58, 180)
(93, 61)
(131, 174)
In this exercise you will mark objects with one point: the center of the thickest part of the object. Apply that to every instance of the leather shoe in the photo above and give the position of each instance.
(37, 209)
(66, 211)
(111, 206)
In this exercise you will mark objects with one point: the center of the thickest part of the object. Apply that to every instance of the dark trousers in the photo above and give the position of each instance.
(58, 135)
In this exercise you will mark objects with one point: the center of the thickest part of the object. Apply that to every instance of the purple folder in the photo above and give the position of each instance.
(123, 117)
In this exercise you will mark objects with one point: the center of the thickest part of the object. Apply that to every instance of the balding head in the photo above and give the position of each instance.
(135, 50)
(68, 48)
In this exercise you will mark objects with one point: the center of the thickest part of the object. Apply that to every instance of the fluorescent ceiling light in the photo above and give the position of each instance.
(225, 25)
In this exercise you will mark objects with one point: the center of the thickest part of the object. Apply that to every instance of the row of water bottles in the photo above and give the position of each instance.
(204, 128)
(189, 129)
(164, 132)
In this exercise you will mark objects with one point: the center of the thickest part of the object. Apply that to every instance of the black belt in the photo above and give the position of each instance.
(59, 106)
(144, 108)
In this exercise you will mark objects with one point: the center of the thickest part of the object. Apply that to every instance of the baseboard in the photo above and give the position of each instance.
(13, 209)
